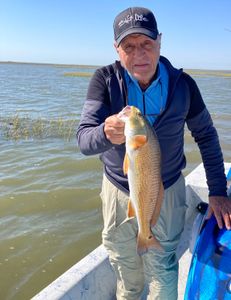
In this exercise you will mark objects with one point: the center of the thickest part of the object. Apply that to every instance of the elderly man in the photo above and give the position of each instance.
(168, 98)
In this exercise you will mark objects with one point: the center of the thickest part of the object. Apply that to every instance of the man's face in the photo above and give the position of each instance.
(140, 54)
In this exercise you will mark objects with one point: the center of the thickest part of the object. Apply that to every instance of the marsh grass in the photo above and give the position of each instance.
(18, 127)
(209, 73)
(78, 74)
(192, 72)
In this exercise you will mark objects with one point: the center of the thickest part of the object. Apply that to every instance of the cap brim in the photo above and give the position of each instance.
(147, 32)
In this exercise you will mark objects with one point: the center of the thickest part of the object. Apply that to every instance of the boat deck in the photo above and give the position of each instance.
(93, 278)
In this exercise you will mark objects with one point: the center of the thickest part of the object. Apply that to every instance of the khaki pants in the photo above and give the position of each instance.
(156, 269)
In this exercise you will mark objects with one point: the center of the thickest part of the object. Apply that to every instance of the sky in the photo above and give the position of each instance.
(195, 33)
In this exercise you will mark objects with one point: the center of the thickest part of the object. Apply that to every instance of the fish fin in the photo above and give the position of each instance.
(138, 141)
(144, 244)
(131, 211)
(157, 209)
(126, 164)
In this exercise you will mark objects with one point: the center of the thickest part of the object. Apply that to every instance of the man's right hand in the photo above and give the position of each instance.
(114, 130)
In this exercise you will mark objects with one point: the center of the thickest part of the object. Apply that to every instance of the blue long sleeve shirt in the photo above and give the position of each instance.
(152, 101)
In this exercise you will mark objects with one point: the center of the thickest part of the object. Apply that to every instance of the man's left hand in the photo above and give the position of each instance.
(221, 208)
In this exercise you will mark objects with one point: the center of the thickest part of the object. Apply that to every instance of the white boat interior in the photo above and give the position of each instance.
(93, 277)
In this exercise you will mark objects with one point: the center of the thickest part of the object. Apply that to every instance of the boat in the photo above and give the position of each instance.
(93, 278)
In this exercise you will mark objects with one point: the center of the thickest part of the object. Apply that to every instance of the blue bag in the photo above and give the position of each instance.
(209, 276)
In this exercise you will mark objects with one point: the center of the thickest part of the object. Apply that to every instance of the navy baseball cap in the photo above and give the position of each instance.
(135, 20)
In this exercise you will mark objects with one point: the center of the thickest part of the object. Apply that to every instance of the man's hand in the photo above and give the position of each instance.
(221, 207)
(114, 130)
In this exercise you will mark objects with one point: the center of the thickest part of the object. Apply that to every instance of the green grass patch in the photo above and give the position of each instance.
(209, 73)
(18, 127)
(78, 74)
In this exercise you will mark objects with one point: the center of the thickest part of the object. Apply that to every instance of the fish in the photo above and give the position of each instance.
(142, 165)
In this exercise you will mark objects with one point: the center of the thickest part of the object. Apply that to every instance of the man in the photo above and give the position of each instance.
(169, 98)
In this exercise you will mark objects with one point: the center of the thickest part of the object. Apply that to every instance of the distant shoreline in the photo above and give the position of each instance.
(195, 72)
(50, 64)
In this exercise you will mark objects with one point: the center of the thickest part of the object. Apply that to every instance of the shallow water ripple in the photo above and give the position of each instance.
(50, 209)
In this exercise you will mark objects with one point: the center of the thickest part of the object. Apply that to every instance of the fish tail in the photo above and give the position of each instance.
(144, 244)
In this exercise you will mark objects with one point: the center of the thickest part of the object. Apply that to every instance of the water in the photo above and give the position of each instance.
(50, 211)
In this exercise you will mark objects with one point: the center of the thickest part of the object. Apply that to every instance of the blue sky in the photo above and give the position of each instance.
(195, 33)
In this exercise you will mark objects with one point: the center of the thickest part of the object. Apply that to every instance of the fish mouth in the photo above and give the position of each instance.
(125, 113)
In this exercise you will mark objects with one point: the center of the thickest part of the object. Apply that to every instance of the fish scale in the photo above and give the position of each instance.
(142, 165)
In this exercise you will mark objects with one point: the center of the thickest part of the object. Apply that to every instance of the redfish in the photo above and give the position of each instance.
(142, 165)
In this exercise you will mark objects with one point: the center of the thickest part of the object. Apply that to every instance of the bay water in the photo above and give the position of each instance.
(50, 210)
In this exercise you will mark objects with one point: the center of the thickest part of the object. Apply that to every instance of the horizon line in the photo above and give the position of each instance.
(91, 66)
